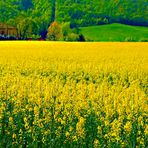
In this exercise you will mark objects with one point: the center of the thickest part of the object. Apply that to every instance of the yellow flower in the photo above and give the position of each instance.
(57, 86)
(146, 130)
(70, 128)
(10, 119)
(99, 130)
(96, 143)
(67, 134)
(13, 136)
(75, 138)
(142, 141)
(128, 126)
(114, 134)
(63, 122)
(80, 127)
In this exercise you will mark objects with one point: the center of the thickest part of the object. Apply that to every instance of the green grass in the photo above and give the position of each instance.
(115, 32)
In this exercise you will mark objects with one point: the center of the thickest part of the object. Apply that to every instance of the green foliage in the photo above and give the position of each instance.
(69, 34)
(8, 10)
(72, 37)
(66, 29)
(86, 12)
(26, 4)
(27, 28)
(101, 21)
(54, 32)
(77, 13)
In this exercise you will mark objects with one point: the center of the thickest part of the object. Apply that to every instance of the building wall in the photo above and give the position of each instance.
(12, 31)
(3, 31)
(7, 30)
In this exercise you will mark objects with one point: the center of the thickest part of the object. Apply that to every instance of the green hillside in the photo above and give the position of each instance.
(115, 32)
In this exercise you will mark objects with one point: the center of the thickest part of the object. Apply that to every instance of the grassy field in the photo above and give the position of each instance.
(73, 95)
(115, 32)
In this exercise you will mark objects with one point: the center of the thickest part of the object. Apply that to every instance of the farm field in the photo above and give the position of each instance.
(115, 32)
(73, 95)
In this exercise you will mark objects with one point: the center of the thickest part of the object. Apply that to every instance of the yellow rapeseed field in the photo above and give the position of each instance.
(73, 95)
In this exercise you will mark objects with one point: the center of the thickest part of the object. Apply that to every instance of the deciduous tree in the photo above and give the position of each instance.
(54, 32)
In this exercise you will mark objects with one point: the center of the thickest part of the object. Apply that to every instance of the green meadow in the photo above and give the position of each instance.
(115, 32)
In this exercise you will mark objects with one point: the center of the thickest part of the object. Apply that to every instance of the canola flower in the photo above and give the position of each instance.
(73, 94)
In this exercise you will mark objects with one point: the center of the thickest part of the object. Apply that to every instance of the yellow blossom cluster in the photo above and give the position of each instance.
(73, 94)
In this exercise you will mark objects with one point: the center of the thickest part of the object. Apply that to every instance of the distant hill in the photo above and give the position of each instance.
(115, 32)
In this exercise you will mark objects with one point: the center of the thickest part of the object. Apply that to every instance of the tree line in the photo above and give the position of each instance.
(33, 17)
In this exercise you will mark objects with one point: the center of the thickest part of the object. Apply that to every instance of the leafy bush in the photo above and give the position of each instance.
(72, 37)
(27, 27)
(102, 21)
(66, 30)
(54, 32)
(71, 34)
(81, 38)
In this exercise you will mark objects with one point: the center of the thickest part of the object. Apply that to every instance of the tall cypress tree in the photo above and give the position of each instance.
(53, 10)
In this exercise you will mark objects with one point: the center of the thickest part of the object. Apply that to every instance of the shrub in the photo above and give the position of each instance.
(71, 34)
(102, 21)
(66, 29)
(72, 37)
(54, 32)
(81, 38)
